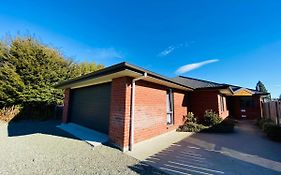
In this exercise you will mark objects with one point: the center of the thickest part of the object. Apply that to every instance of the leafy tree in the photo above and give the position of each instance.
(29, 69)
(280, 97)
(260, 87)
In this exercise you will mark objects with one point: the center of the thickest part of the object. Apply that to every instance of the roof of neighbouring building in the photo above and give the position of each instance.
(197, 83)
(204, 84)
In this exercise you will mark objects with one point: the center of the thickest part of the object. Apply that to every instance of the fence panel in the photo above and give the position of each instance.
(272, 110)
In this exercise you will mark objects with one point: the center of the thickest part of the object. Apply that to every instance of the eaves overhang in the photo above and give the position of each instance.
(120, 70)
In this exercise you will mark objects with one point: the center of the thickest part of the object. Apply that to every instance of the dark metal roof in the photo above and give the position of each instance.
(197, 83)
(116, 68)
(205, 84)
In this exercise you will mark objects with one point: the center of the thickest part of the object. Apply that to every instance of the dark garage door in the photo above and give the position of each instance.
(90, 107)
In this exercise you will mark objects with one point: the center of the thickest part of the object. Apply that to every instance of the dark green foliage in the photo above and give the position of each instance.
(191, 118)
(211, 118)
(261, 87)
(28, 71)
(213, 124)
(274, 132)
(191, 127)
(226, 126)
(266, 125)
(262, 121)
(190, 124)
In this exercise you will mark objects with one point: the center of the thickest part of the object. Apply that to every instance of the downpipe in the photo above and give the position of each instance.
(133, 93)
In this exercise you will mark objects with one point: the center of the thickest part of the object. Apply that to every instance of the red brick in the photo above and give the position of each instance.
(203, 100)
(150, 111)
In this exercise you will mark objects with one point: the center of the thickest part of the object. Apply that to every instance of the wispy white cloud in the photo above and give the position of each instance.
(167, 51)
(105, 53)
(189, 67)
(172, 48)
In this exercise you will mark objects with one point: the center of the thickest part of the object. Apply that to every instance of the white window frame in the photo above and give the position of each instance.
(170, 107)
(222, 103)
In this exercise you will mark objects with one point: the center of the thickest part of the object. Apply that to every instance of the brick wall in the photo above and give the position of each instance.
(119, 122)
(150, 111)
(66, 105)
(200, 101)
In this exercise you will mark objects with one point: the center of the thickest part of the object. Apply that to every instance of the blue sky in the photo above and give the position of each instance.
(237, 42)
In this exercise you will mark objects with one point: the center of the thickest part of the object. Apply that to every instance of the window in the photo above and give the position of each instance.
(170, 105)
(222, 106)
(246, 102)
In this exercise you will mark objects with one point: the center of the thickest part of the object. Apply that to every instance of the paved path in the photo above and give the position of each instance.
(247, 151)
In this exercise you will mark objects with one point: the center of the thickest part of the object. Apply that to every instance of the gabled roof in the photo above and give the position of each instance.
(120, 70)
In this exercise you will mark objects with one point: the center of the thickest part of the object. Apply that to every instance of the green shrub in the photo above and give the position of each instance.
(191, 124)
(191, 127)
(267, 125)
(270, 128)
(261, 121)
(274, 132)
(226, 126)
(191, 118)
(211, 118)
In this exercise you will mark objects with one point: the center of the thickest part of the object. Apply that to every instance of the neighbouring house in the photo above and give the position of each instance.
(131, 104)
(224, 99)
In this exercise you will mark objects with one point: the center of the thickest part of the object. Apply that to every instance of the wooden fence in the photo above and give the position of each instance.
(272, 110)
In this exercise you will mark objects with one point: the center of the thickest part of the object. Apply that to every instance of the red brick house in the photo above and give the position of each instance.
(131, 104)
(224, 99)
(128, 103)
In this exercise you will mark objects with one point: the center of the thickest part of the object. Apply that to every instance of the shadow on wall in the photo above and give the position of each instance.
(27, 127)
(242, 152)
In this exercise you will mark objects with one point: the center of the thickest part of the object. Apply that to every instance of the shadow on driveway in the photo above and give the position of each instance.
(27, 127)
(247, 151)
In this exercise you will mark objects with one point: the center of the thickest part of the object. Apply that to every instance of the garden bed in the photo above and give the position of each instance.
(211, 123)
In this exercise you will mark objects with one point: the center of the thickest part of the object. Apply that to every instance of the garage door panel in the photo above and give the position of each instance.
(90, 107)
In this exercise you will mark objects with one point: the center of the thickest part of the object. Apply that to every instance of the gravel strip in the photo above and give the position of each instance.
(32, 147)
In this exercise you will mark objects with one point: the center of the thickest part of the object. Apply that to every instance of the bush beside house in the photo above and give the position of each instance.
(211, 123)
(191, 124)
(270, 129)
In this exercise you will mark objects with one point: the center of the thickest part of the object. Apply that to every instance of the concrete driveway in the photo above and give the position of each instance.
(247, 151)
